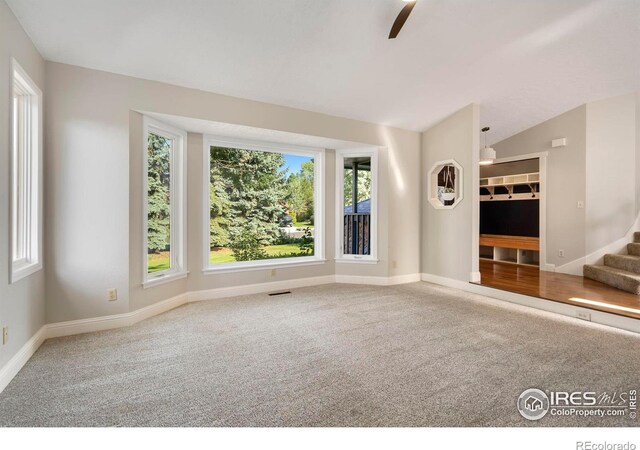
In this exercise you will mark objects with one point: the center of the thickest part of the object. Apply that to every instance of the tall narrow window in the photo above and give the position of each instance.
(164, 192)
(356, 219)
(26, 175)
(263, 202)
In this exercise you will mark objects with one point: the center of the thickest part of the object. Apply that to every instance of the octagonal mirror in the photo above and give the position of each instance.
(445, 184)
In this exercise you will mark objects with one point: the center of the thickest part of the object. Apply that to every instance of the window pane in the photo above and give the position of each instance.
(357, 206)
(20, 152)
(159, 203)
(25, 176)
(261, 205)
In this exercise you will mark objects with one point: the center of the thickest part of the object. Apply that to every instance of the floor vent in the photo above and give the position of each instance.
(273, 294)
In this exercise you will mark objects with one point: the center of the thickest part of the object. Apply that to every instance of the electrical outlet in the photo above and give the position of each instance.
(580, 204)
(584, 315)
(112, 294)
(394, 264)
(561, 253)
(5, 335)
(273, 272)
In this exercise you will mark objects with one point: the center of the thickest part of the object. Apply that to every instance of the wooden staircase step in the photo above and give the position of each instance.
(630, 263)
(620, 279)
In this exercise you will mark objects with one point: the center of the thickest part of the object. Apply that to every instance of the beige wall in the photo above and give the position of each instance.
(22, 304)
(610, 208)
(448, 248)
(402, 194)
(95, 135)
(510, 168)
(637, 152)
(566, 182)
(599, 166)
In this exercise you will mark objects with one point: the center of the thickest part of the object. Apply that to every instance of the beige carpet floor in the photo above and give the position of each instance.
(334, 355)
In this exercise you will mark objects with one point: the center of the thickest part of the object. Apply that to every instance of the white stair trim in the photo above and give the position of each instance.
(596, 257)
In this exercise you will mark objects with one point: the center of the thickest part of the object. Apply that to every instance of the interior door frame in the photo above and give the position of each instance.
(542, 169)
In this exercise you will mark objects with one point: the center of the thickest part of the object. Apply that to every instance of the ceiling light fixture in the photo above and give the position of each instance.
(487, 154)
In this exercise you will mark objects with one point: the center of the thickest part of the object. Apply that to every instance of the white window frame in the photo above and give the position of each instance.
(318, 203)
(26, 146)
(178, 192)
(340, 256)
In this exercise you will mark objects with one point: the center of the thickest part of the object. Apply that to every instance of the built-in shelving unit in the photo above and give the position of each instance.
(508, 180)
(521, 186)
(510, 249)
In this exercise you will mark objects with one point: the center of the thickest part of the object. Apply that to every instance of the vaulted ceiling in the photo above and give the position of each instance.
(524, 61)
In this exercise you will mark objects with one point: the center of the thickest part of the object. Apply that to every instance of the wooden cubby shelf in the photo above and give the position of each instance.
(510, 249)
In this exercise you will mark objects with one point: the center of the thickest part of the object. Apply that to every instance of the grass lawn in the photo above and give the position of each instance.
(223, 254)
(160, 261)
(302, 225)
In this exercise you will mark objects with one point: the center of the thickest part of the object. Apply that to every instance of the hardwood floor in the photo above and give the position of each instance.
(559, 287)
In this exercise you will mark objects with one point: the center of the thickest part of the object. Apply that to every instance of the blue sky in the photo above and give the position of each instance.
(294, 162)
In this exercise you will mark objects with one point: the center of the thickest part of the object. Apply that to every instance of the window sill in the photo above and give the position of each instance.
(264, 264)
(357, 260)
(24, 270)
(164, 279)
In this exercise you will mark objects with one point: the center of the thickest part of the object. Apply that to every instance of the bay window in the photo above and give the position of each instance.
(263, 203)
(357, 204)
(164, 194)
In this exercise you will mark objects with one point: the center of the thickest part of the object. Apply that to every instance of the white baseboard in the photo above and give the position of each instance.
(378, 281)
(573, 268)
(598, 317)
(404, 279)
(80, 326)
(444, 281)
(72, 327)
(258, 288)
(13, 366)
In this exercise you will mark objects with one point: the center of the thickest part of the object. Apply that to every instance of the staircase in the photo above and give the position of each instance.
(619, 271)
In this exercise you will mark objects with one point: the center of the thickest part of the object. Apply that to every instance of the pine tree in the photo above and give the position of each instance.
(220, 207)
(158, 190)
(249, 193)
(301, 191)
